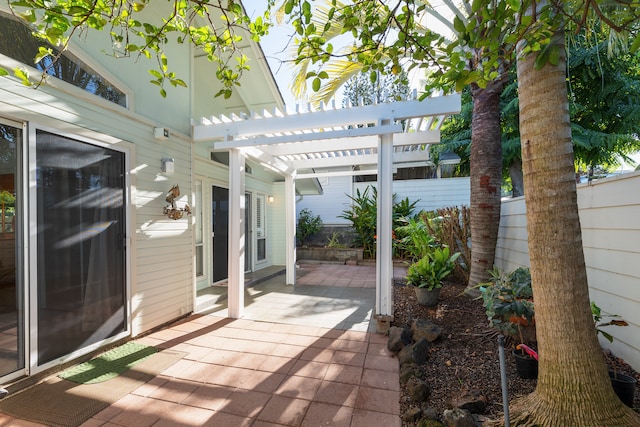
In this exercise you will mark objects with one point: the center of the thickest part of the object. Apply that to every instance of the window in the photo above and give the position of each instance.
(17, 42)
(197, 213)
(261, 240)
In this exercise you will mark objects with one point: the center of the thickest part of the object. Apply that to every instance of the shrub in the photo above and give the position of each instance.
(308, 225)
(452, 227)
(508, 300)
(429, 271)
(363, 216)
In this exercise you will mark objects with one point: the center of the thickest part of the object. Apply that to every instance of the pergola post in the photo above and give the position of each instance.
(236, 234)
(384, 250)
(290, 224)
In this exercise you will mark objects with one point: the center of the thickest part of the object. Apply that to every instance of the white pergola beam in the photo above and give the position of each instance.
(325, 162)
(268, 160)
(306, 137)
(352, 143)
(336, 173)
(359, 159)
(436, 106)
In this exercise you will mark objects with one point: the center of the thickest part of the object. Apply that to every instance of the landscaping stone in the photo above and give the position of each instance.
(412, 415)
(472, 401)
(417, 389)
(407, 371)
(423, 328)
(457, 417)
(417, 353)
(398, 338)
(429, 423)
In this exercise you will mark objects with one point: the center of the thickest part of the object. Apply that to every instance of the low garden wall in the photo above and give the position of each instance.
(340, 255)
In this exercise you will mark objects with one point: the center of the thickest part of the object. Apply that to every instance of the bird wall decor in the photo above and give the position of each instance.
(172, 211)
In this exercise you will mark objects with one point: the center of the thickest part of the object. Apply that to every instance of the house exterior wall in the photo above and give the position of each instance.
(160, 248)
(160, 251)
(276, 214)
(429, 194)
(609, 211)
(337, 189)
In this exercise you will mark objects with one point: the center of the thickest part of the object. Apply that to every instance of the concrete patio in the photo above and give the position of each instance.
(301, 356)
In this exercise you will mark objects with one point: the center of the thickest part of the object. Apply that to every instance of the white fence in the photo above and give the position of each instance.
(610, 219)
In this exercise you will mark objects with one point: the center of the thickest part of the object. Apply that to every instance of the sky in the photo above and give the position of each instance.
(274, 46)
(275, 49)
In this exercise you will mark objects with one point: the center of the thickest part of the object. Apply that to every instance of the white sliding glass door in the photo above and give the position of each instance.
(80, 295)
(12, 288)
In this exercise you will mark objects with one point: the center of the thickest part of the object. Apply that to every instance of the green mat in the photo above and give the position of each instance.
(109, 365)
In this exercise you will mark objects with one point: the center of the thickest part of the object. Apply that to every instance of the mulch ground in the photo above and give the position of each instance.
(465, 359)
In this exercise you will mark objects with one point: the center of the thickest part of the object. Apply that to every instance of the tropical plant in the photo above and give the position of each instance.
(334, 241)
(615, 320)
(363, 214)
(429, 271)
(508, 300)
(451, 227)
(386, 87)
(308, 225)
(413, 238)
(605, 123)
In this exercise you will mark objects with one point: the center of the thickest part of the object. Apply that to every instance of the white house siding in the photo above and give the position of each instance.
(278, 240)
(609, 212)
(429, 194)
(161, 250)
(333, 200)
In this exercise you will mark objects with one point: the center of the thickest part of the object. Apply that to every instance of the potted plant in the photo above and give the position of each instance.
(427, 274)
(508, 303)
(624, 385)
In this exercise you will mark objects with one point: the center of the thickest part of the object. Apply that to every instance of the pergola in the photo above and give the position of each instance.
(375, 137)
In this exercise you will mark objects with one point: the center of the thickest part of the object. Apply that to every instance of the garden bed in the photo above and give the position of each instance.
(465, 358)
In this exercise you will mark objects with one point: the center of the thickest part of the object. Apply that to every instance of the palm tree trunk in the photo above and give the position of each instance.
(486, 179)
(573, 384)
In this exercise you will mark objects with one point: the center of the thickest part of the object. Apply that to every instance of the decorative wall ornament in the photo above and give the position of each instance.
(172, 211)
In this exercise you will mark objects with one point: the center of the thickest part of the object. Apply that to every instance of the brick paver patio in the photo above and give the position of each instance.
(252, 372)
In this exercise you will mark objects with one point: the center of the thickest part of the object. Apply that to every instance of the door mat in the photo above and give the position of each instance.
(58, 402)
(109, 365)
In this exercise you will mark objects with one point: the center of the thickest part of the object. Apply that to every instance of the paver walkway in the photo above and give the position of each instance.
(251, 372)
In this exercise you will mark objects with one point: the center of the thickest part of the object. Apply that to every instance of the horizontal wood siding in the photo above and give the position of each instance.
(161, 249)
(429, 194)
(276, 220)
(609, 216)
(334, 200)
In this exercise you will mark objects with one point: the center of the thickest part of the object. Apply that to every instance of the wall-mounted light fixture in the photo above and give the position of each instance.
(160, 133)
(168, 165)
(270, 199)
